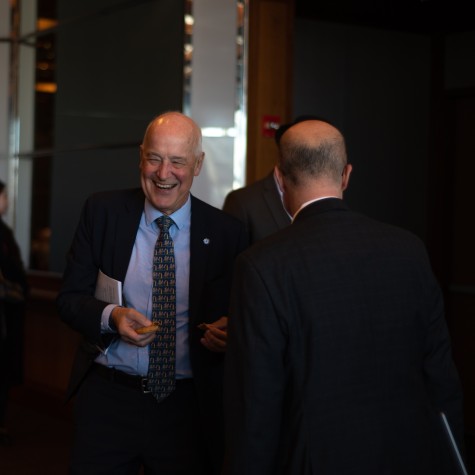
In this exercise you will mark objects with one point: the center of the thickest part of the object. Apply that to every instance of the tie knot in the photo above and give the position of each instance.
(164, 222)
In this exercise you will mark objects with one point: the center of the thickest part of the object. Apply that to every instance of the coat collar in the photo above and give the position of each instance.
(322, 206)
(126, 232)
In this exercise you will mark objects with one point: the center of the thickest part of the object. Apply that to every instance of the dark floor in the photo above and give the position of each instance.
(40, 429)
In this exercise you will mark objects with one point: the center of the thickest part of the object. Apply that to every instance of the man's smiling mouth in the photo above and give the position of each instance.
(164, 186)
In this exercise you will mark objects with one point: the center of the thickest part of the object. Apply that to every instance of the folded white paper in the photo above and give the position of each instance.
(108, 289)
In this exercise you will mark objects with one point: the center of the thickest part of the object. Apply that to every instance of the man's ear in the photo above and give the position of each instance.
(140, 155)
(345, 176)
(280, 179)
(283, 189)
(199, 164)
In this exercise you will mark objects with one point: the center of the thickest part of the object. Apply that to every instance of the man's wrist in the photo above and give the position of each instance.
(111, 323)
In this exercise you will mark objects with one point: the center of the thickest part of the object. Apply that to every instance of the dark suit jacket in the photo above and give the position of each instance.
(104, 240)
(338, 355)
(259, 207)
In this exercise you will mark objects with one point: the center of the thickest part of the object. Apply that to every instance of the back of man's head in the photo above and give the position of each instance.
(301, 118)
(312, 150)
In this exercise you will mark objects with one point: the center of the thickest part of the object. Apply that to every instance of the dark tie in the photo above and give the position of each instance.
(161, 371)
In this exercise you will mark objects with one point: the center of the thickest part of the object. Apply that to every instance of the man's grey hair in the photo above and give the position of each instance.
(301, 161)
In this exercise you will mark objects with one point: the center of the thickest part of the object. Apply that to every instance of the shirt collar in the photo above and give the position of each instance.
(310, 202)
(180, 217)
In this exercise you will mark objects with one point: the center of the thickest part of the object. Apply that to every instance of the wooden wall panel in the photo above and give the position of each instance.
(271, 25)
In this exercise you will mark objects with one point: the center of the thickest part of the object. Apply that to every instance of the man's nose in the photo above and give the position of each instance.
(163, 170)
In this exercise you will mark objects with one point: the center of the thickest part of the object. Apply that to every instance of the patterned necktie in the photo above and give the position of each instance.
(161, 372)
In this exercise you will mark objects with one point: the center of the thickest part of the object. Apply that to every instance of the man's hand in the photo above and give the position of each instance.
(215, 335)
(127, 321)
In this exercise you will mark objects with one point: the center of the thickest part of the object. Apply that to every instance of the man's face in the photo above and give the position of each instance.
(168, 165)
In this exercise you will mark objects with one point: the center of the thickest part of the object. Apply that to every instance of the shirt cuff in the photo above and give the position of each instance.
(105, 328)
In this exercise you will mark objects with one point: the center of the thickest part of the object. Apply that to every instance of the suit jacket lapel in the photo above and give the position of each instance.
(200, 243)
(127, 225)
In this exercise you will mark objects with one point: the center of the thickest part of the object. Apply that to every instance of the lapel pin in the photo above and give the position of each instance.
(206, 241)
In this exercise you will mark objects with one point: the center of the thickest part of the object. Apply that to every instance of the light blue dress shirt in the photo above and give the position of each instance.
(137, 292)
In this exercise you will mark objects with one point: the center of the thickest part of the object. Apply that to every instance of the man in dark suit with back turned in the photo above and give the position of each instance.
(120, 424)
(338, 360)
